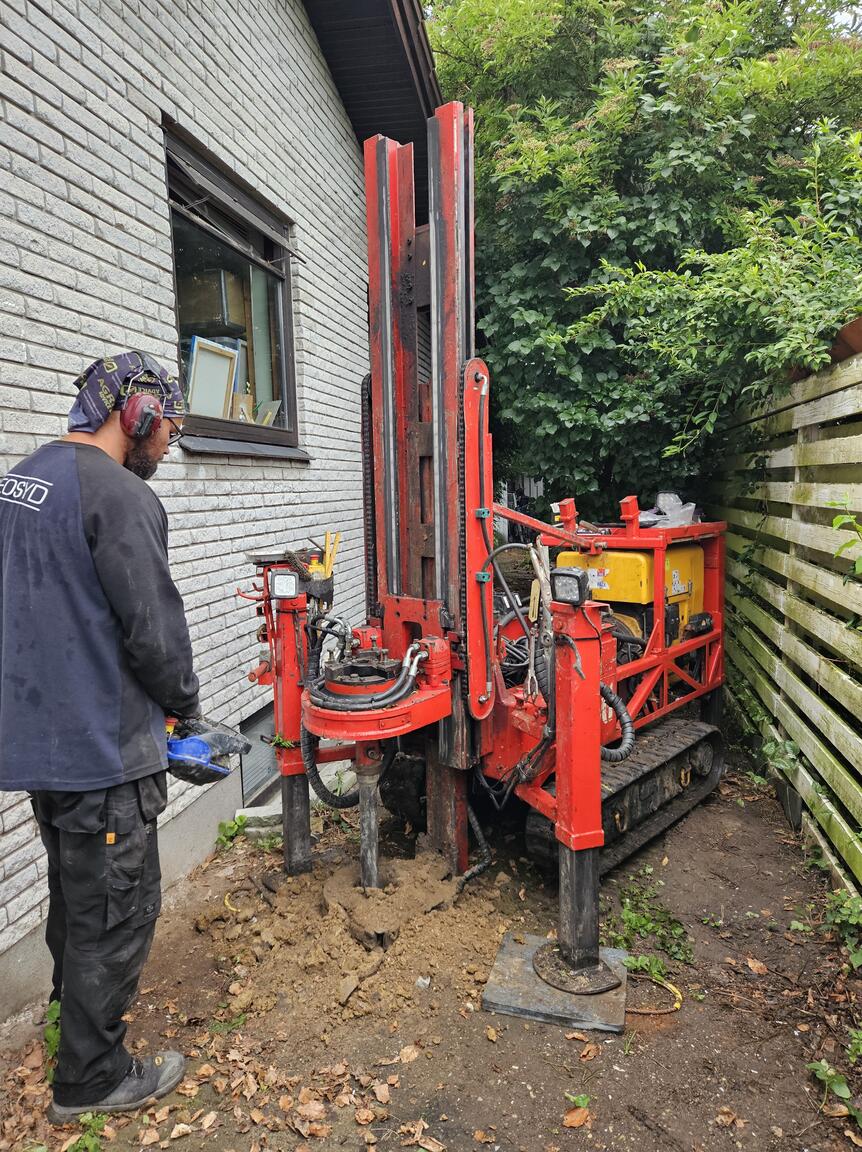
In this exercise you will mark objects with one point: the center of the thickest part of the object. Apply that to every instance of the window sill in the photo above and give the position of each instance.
(216, 446)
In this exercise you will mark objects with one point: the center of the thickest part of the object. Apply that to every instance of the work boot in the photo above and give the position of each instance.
(146, 1080)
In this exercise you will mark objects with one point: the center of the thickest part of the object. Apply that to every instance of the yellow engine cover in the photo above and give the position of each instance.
(624, 577)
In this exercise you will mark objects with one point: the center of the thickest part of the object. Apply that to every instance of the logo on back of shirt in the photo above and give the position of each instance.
(27, 491)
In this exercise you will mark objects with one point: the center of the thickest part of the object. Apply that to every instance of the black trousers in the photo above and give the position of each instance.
(105, 895)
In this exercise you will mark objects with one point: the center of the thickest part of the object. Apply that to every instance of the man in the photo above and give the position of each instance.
(94, 652)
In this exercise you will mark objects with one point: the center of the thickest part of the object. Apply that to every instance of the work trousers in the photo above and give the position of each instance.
(105, 895)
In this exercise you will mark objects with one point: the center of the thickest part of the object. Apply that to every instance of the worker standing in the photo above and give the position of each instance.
(94, 652)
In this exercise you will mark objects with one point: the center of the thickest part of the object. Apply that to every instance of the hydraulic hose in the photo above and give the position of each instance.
(627, 728)
(485, 857)
(308, 745)
(366, 702)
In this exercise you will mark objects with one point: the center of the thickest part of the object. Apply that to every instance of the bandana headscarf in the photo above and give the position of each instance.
(107, 384)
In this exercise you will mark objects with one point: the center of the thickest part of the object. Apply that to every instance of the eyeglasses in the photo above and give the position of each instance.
(176, 433)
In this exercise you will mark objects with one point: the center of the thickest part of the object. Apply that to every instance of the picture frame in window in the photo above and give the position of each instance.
(212, 368)
(267, 413)
(242, 409)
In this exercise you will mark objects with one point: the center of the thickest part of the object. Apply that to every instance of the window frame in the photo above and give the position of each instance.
(232, 198)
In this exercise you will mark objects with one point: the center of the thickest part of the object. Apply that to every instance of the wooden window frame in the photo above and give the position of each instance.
(233, 199)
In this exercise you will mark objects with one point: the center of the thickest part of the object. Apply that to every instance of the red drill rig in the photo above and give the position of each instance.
(572, 705)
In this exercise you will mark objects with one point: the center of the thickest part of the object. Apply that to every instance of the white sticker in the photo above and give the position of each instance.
(598, 577)
(676, 585)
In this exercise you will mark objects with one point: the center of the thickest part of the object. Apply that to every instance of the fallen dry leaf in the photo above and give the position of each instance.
(363, 1116)
(370, 1138)
(413, 1132)
(576, 1117)
(834, 1109)
(408, 1053)
(431, 1145)
(205, 1071)
(162, 1114)
(209, 1120)
(188, 1088)
(589, 1052)
(491, 1033)
(727, 1117)
(181, 1130)
(853, 1137)
(577, 1036)
(482, 1137)
(285, 1103)
(756, 966)
(312, 1110)
(148, 1136)
(776, 1131)
(319, 1130)
(257, 1116)
(381, 1091)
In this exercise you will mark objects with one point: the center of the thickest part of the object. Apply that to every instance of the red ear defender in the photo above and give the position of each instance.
(141, 415)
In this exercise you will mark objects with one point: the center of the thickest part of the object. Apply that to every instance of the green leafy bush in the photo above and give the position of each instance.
(666, 222)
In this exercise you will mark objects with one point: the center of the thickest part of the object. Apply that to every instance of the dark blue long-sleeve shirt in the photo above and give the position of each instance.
(94, 647)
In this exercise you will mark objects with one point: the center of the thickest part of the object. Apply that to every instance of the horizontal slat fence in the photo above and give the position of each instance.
(794, 623)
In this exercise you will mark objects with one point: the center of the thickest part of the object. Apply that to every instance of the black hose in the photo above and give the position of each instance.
(308, 743)
(485, 857)
(362, 702)
(493, 553)
(627, 728)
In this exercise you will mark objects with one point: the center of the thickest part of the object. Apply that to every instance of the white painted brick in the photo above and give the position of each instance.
(87, 250)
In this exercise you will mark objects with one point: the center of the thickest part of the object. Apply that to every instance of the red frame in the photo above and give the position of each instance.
(487, 725)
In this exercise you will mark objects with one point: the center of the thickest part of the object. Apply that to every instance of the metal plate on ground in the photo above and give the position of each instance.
(514, 988)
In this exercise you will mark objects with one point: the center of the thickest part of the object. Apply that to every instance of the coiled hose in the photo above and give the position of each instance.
(627, 728)
(308, 742)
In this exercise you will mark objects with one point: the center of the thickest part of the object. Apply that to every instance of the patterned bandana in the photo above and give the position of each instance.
(108, 383)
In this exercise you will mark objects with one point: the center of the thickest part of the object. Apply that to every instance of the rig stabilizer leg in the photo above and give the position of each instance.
(296, 824)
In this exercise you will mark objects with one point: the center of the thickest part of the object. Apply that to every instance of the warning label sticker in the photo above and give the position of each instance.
(677, 587)
(598, 577)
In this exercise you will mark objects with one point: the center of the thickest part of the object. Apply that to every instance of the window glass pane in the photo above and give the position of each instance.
(230, 329)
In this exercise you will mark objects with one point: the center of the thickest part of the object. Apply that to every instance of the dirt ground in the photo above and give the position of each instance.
(300, 1037)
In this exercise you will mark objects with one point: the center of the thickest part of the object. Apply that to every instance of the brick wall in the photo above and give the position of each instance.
(85, 268)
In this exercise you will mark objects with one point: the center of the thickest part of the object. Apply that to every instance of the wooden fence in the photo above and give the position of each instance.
(794, 623)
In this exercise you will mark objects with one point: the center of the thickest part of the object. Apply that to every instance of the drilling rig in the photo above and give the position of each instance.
(595, 705)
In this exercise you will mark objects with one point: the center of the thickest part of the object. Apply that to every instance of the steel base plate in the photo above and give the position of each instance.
(514, 989)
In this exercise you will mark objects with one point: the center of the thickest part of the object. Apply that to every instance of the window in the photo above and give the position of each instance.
(231, 265)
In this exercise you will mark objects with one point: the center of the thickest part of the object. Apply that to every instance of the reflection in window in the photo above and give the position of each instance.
(231, 325)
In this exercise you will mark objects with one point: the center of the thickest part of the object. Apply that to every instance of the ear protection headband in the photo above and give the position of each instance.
(142, 413)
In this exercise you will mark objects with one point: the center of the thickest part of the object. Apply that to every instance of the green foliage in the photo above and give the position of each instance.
(642, 916)
(847, 519)
(653, 966)
(225, 1026)
(844, 916)
(92, 1127)
(51, 1037)
(273, 843)
(228, 830)
(834, 1081)
(666, 221)
(854, 1048)
(781, 755)
(582, 1100)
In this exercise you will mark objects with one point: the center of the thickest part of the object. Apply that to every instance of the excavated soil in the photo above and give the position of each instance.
(300, 1036)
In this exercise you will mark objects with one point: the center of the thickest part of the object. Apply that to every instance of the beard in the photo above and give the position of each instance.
(139, 462)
